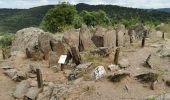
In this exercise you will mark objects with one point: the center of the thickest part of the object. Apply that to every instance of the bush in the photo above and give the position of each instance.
(59, 17)
(6, 40)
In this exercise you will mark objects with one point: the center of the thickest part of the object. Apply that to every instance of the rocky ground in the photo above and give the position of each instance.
(58, 85)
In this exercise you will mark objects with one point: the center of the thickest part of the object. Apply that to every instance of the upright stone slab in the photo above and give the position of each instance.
(44, 43)
(85, 41)
(98, 37)
(71, 37)
(110, 38)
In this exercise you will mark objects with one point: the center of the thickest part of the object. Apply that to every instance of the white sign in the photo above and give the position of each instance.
(62, 59)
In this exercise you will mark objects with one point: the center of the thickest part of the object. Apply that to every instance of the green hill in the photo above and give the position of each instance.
(12, 20)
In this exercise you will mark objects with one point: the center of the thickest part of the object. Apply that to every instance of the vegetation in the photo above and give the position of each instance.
(6, 40)
(59, 17)
(12, 20)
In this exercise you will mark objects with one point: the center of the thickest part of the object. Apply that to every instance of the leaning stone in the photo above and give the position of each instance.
(32, 93)
(21, 89)
(152, 61)
(148, 77)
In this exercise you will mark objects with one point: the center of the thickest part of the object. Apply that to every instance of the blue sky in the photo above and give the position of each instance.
(127, 3)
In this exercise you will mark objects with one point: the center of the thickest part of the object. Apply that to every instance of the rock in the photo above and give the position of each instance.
(152, 61)
(98, 37)
(124, 63)
(75, 55)
(11, 73)
(110, 38)
(84, 66)
(26, 38)
(37, 55)
(71, 37)
(21, 89)
(117, 77)
(85, 41)
(99, 72)
(148, 77)
(44, 43)
(6, 67)
(165, 53)
(113, 67)
(102, 51)
(58, 47)
(168, 83)
(32, 93)
(75, 74)
(53, 58)
(46, 94)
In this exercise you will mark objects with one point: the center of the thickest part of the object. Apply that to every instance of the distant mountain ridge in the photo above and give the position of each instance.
(164, 10)
(12, 20)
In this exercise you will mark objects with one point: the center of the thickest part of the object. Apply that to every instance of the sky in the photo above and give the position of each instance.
(127, 3)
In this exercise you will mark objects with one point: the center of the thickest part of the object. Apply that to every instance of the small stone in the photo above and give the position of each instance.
(99, 72)
(124, 63)
(113, 67)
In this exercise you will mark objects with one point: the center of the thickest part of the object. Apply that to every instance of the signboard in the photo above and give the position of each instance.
(62, 59)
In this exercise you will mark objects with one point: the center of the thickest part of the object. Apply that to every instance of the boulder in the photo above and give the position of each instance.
(152, 61)
(26, 38)
(85, 41)
(21, 89)
(99, 72)
(32, 93)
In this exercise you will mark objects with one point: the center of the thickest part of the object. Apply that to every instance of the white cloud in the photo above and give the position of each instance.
(127, 3)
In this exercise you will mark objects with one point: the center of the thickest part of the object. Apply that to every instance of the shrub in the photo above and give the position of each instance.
(6, 40)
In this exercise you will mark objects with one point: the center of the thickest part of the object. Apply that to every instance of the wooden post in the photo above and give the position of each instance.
(163, 35)
(116, 59)
(143, 41)
(117, 39)
(131, 39)
(62, 67)
(39, 78)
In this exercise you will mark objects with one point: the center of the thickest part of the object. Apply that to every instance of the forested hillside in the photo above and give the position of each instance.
(12, 20)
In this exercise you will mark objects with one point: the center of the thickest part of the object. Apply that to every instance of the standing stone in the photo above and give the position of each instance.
(58, 47)
(85, 41)
(53, 58)
(44, 43)
(120, 34)
(76, 55)
(110, 38)
(98, 37)
(71, 37)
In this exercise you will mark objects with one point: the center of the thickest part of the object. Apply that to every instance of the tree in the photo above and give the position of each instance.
(95, 18)
(59, 17)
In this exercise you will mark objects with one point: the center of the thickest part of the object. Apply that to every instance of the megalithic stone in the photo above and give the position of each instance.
(76, 56)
